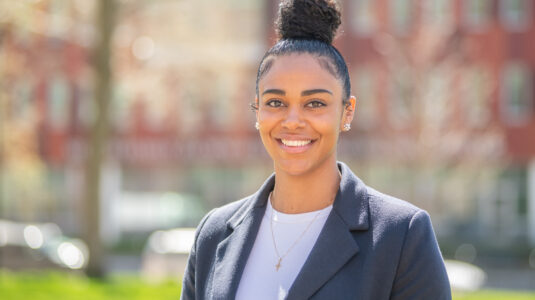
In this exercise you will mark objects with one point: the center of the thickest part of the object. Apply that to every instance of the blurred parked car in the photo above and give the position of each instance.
(166, 252)
(465, 277)
(39, 246)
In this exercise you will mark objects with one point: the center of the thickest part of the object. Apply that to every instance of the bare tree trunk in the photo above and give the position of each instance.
(105, 17)
(3, 117)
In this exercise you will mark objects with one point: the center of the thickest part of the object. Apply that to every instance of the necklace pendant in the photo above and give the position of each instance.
(278, 265)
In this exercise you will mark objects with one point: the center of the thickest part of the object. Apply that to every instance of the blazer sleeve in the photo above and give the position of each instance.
(188, 282)
(421, 273)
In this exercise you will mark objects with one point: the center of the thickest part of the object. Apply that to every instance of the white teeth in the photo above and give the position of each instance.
(293, 143)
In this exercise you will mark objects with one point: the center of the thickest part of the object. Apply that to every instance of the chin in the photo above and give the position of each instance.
(294, 167)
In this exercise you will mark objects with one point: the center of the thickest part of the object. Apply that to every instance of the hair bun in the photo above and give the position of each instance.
(308, 19)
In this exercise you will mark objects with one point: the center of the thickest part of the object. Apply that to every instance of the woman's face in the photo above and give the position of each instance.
(300, 113)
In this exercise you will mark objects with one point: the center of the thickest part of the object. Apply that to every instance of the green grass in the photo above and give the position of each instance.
(495, 295)
(58, 285)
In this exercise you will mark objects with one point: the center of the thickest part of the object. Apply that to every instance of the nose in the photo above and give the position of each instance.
(293, 119)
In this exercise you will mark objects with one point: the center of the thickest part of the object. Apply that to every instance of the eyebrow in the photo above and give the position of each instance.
(274, 91)
(303, 93)
(315, 91)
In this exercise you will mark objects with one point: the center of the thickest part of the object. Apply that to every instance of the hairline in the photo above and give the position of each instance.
(324, 61)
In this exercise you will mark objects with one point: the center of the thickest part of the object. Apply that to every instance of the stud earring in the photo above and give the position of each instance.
(347, 127)
(257, 126)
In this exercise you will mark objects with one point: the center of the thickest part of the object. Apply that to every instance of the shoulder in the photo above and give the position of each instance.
(215, 222)
(405, 232)
(388, 210)
(389, 205)
(371, 205)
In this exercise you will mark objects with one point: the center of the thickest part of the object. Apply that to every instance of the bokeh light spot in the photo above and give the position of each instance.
(466, 253)
(70, 255)
(33, 237)
(143, 48)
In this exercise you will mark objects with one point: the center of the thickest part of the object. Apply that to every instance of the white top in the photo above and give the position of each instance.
(260, 278)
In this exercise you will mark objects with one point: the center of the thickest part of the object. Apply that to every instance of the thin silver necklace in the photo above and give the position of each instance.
(281, 257)
(278, 265)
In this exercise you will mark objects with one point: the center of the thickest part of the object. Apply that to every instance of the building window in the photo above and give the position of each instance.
(58, 102)
(475, 93)
(517, 94)
(400, 15)
(22, 99)
(86, 108)
(438, 12)
(437, 108)
(477, 13)
(120, 107)
(190, 109)
(363, 17)
(516, 14)
(221, 106)
(502, 204)
(364, 87)
(400, 96)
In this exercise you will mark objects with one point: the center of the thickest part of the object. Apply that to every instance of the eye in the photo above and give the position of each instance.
(274, 103)
(315, 104)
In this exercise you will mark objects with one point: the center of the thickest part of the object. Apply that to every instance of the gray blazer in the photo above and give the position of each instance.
(372, 246)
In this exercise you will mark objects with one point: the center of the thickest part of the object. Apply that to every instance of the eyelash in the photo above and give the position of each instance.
(315, 104)
(271, 102)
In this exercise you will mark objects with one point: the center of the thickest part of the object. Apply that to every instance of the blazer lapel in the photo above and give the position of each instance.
(232, 253)
(335, 244)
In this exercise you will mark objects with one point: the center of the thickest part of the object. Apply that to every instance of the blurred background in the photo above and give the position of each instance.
(122, 122)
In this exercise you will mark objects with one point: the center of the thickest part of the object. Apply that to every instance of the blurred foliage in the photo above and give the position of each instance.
(57, 285)
(130, 244)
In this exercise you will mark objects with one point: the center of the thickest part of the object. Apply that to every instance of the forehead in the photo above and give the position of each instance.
(300, 71)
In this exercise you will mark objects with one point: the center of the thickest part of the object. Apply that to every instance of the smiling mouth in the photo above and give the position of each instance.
(295, 143)
(295, 146)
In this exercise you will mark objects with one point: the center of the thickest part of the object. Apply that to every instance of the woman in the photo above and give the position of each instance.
(313, 230)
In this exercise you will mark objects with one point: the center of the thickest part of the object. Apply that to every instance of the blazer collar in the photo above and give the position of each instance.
(334, 247)
(232, 252)
(335, 244)
(258, 199)
(350, 202)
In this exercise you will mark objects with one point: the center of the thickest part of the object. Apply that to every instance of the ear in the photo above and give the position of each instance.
(349, 112)
(256, 103)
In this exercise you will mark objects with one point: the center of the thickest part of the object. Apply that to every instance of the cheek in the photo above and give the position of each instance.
(327, 123)
(267, 119)
(268, 122)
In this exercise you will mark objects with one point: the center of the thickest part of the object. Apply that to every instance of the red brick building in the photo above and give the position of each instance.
(439, 83)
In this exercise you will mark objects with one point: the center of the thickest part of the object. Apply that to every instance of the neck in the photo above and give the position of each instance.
(308, 192)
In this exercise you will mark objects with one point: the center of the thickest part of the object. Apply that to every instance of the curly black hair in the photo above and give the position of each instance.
(308, 26)
(308, 19)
